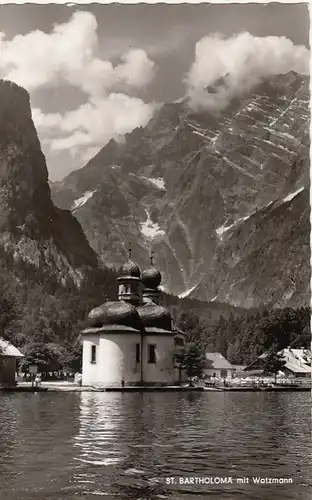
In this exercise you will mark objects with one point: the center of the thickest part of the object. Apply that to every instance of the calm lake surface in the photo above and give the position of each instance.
(62, 446)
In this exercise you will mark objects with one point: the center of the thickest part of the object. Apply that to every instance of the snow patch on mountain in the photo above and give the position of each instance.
(283, 113)
(199, 133)
(223, 229)
(187, 292)
(292, 195)
(81, 201)
(151, 229)
(158, 182)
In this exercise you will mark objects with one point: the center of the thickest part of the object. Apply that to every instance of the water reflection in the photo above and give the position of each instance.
(138, 440)
(64, 446)
(98, 440)
(116, 445)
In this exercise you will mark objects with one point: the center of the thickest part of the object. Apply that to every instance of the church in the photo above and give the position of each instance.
(131, 341)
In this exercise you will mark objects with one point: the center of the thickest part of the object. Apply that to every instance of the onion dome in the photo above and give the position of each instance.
(151, 277)
(115, 313)
(155, 316)
(130, 268)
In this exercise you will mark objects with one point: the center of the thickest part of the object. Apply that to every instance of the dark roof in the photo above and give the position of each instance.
(157, 331)
(110, 329)
(130, 268)
(151, 277)
(155, 316)
(115, 313)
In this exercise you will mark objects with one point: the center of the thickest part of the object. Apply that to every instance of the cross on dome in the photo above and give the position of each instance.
(152, 258)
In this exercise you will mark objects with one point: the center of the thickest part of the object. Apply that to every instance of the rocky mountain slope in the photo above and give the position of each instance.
(173, 187)
(32, 229)
(263, 258)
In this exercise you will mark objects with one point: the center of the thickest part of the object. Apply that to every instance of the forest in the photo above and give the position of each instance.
(241, 338)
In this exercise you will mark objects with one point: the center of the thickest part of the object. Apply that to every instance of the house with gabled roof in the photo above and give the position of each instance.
(216, 365)
(297, 362)
(9, 355)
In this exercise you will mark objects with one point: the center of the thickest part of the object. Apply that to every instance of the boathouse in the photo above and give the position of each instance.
(131, 341)
(8, 358)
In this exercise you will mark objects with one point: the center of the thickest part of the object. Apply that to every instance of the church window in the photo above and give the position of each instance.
(178, 341)
(152, 353)
(137, 353)
(93, 354)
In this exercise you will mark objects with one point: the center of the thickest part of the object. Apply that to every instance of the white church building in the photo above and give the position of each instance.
(131, 341)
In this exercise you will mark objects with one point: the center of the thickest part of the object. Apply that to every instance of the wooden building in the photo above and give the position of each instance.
(8, 358)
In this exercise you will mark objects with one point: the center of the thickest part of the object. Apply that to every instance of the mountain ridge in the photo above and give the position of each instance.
(206, 171)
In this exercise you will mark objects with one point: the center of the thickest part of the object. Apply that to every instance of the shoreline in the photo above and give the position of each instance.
(72, 387)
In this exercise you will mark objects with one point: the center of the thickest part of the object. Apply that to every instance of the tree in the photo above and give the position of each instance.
(8, 313)
(273, 364)
(189, 323)
(45, 357)
(71, 358)
(190, 358)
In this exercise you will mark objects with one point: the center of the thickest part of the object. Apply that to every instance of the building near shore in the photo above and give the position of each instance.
(217, 366)
(297, 362)
(8, 360)
(131, 341)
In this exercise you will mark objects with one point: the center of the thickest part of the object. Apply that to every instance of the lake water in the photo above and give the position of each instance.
(124, 446)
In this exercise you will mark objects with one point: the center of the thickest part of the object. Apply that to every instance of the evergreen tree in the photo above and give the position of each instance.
(191, 359)
(273, 364)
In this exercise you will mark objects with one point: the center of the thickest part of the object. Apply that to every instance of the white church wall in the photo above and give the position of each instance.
(163, 370)
(115, 359)
(89, 369)
(118, 359)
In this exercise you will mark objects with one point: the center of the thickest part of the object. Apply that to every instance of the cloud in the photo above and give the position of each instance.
(69, 55)
(225, 68)
(93, 124)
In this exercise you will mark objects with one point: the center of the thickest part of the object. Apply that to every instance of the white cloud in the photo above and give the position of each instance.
(244, 61)
(46, 122)
(69, 55)
(93, 124)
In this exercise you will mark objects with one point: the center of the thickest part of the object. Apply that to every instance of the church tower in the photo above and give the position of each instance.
(129, 282)
(151, 279)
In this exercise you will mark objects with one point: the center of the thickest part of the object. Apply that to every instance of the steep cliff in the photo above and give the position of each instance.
(31, 227)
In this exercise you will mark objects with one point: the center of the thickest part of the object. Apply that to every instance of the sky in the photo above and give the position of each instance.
(96, 72)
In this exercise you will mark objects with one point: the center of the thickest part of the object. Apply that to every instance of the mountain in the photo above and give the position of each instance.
(264, 257)
(173, 186)
(32, 228)
(50, 277)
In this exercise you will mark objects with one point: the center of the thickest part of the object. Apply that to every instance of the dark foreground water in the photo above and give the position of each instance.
(62, 446)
